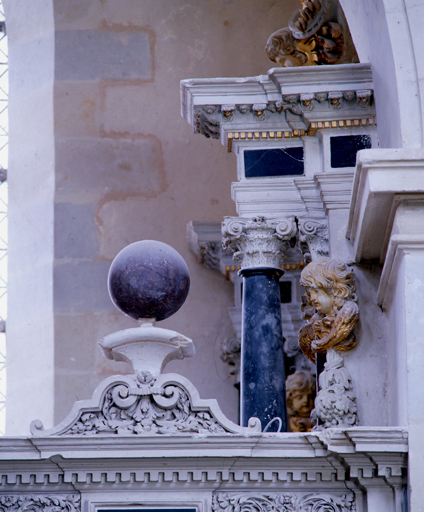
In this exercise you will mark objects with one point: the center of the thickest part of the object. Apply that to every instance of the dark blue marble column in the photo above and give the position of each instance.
(263, 391)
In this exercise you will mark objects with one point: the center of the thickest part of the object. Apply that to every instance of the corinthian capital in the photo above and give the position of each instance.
(258, 242)
(313, 238)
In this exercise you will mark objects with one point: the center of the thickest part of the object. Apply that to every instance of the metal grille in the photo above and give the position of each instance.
(4, 129)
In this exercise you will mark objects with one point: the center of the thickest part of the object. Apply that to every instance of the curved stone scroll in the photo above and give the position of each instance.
(145, 405)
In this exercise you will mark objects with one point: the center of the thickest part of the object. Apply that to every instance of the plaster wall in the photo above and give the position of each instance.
(30, 323)
(368, 363)
(100, 158)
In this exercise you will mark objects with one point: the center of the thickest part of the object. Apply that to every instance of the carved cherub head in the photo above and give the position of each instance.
(329, 283)
(300, 393)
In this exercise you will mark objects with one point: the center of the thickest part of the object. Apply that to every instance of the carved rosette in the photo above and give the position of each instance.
(283, 502)
(40, 503)
(313, 238)
(335, 404)
(258, 242)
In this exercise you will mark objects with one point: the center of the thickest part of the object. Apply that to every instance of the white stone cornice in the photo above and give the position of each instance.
(380, 175)
(273, 198)
(398, 245)
(336, 189)
(258, 242)
(298, 101)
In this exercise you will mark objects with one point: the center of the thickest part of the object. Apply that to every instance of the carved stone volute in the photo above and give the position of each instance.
(258, 242)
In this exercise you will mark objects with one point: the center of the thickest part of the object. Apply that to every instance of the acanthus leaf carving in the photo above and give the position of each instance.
(259, 241)
(313, 238)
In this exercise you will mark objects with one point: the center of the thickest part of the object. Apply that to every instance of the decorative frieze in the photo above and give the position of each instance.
(40, 503)
(258, 242)
(283, 502)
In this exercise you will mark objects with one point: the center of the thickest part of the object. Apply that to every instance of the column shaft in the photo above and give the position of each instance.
(263, 393)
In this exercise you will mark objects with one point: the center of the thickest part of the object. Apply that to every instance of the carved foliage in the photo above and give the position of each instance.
(258, 242)
(144, 409)
(335, 404)
(39, 503)
(287, 502)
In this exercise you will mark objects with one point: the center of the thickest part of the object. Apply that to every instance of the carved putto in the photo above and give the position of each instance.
(300, 392)
(317, 34)
(329, 308)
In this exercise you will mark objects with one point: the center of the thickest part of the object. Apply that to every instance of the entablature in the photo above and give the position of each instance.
(286, 103)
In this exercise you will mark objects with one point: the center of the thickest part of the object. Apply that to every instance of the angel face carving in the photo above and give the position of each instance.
(320, 300)
(329, 307)
(300, 392)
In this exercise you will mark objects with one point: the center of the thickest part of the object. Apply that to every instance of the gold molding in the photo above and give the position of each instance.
(280, 134)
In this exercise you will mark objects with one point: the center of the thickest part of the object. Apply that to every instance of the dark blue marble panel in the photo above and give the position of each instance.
(344, 148)
(265, 163)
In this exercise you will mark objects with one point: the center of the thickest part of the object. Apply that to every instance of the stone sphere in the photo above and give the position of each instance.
(148, 279)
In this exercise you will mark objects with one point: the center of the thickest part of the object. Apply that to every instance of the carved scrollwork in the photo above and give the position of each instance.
(144, 410)
(317, 34)
(283, 502)
(40, 503)
(259, 241)
(145, 405)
